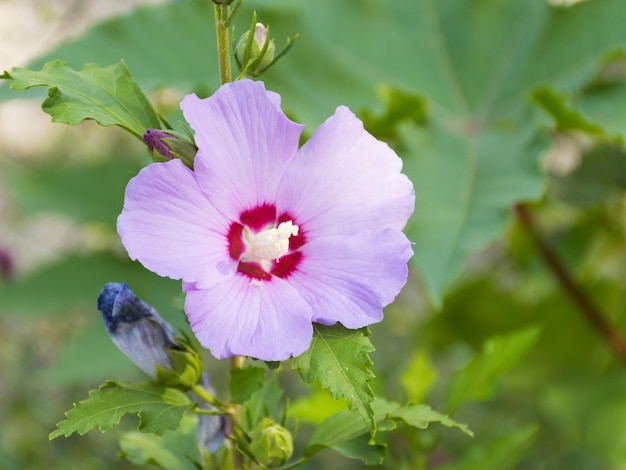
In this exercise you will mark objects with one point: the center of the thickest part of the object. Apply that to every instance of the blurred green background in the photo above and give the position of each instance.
(489, 103)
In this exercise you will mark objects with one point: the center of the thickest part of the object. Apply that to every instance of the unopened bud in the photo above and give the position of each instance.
(167, 145)
(255, 54)
(136, 328)
(272, 444)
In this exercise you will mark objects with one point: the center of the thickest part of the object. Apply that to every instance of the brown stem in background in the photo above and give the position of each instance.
(612, 336)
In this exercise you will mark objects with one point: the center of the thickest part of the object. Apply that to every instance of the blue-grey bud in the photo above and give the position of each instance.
(136, 328)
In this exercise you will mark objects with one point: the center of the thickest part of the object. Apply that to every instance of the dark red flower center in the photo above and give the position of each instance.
(265, 243)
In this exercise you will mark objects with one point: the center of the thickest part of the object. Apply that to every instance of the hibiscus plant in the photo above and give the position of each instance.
(288, 244)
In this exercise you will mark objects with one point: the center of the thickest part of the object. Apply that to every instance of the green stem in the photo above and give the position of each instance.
(206, 396)
(223, 16)
(223, 42)
(236, 362)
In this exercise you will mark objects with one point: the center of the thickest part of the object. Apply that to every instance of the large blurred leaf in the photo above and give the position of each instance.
(107, 95)
(77, 280)
(85, 192)
(464, 188)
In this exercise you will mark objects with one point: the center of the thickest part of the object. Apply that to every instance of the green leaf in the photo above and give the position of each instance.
(172, 451)
(361, 448)
(338, 359)
(264, 403)
(346, 426)
(85, 192)
(477, 379)
(244, 382)
(159, 408)
(420, 416)
(464, 189)
(315, 408)
(107, 95)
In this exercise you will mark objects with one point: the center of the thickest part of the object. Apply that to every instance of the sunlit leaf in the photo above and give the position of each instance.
(338, 359)
(315, 408)
(107, 95)
(419, 377)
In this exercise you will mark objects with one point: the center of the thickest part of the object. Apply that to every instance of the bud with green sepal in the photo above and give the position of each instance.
(167, 145)
(185, 366)
(255, 51)
(271, 444)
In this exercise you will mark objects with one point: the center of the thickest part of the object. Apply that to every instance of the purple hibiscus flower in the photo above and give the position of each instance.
(268, 238)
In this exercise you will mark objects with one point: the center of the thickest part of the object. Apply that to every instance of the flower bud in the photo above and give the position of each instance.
(166, 145)
(255, 54)
(272, 444)
(136, 328)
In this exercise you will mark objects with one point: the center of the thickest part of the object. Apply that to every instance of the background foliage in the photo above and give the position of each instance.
(490, 103)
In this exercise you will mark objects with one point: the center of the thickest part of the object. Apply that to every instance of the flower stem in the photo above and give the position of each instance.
(206, 396)
(223, 42)
(236, 362)
(612, 336)
(223, 16)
